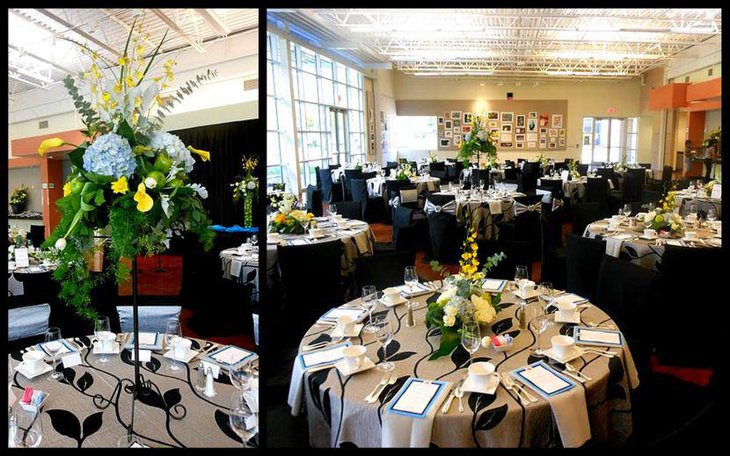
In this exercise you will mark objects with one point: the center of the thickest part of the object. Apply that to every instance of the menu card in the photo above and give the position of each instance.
(571, 298)
(231, 355)
(543, 379)
(594, 336)
(147, 340)
(327, 355)
(416, 397)
(21, 258)
(333, 314)
(418, 290)
(494, 285)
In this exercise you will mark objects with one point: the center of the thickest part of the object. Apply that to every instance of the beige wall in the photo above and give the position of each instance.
(385, 103)
(713, 120)
(650, 121)
(584, 99)
(700, 75)
(31, 177)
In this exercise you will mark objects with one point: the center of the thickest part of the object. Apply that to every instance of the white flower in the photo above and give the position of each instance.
(648, 218)
(446, 295)
(150, 183)
(451, 310)
(486, 341)
(61, 244)
(449, 320)
(166, 205)
(481, 134)
(251, 185)
(199, 189)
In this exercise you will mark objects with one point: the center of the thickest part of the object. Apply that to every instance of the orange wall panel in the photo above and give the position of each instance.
(668, 97)
(705, 90)
(25, 147)
(695, 127)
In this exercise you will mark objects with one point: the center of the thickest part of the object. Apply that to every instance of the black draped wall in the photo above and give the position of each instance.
(227, 143)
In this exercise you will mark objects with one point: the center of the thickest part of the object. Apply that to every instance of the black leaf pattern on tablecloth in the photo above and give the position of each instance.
(321, 338)
(65, 423)
(491, 418)
(153, 364)
(433, 298)
(327, 407)
(224, 378)
(16, 355)
(92, 424)
(85, 340)
(68, 374)
(506, 305)
(513, 334)
(126, 357)
(615, 391)
(460, 357)
(477, 401)
(347, 445)
(394, 354)
(195, 345)
(152, 398)
(616, 370)
(172, 397)
(502, 326)
(316, 380)
(566, 330)
(390, 391)
(482, 359)
(251, 275)
(85, 381)
(630, 252)
(221, 419)
(533, 359)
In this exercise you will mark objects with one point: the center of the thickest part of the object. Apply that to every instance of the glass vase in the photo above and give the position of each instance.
(248, 209)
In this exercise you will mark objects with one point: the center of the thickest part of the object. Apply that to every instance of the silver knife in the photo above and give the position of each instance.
(447, 405)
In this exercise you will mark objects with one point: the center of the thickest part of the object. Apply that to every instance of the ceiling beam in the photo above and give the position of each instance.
(124, 25)
(214, 21)
(15, 76)
(74, 29)
(41, 59)
(170, 23)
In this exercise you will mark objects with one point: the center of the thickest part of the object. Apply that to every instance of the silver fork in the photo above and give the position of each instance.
(576, 372)
(518, 384)
(391, 380)
(383, 382)
(508, 386)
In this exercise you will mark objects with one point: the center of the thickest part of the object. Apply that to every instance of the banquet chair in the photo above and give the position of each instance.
(517, 253)
(479, 175)
(151, 318)
(37, 235)
(511, 174)
(555, 187)
(318, 178)
(552, 251)
(609, 173)
(27, 325)
(331, 192)
(405, 231)
(583, 259)
(582, 169)
(349, 175)
(314, 200)
(312, 283)
(438, 169)
(392, 165)
(527, 181)
(350, 209)
(382, 270)
(597, 192)
(509, 163)
(37, 287)
(584, 214)
(373, 209)
(523, 228)
(446, 236)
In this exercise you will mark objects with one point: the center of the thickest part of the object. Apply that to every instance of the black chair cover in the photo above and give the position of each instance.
(584, 257)
(314, 200)
(585, 214)
(446, 236)
(383, 270)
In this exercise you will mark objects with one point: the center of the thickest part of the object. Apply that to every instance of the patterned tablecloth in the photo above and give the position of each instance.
(376, 185)
(703, 202)
(573, 189)
(90, 408)
(338, 415)
(643, 252)
(483, 212)
(15, 287)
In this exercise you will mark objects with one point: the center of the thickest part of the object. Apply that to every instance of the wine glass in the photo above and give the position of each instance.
(172, 330)
(545, 293)
(539, 325)
(520, 276)
(239, 375)
(254, 239)
(241, 418)
(627, 210)
(53, 345)
(711, 215)
(410, 278)
(369, 302)
(384, 334)
(470, 338)
(101, 329)
(26, 429)
(332, 211)
(693, 211)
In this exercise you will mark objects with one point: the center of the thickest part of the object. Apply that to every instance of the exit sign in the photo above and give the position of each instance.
(612, 110)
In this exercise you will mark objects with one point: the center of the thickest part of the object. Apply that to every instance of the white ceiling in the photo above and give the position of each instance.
(42, 49)
(512, 43)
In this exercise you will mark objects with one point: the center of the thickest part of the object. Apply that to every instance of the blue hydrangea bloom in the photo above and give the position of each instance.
(175, 148)
(110, 155)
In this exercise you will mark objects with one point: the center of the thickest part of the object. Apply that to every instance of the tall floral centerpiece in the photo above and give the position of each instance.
(247, 188)
(129, 180)
(478, 141)
(465, 297)
(404, 171)
(573, 170)
(663, 219)
(288, 220)
(621, 166)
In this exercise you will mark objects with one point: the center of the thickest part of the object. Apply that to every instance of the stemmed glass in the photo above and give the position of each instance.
(539, 325)
(627, 210)
(693, 211)
(53, 345)
(711, 216)
(172, 330)
(470, 338)
(410, 278)
(101, 329)
(254, 243)
(369, 302)
(520, 276)
(26, 429)
(239, 375)
(240, 413)
(384, 334)
(332, 211)
(545, 293)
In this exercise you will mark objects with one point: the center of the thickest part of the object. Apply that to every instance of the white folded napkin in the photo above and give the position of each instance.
(418, 290)
(296, 385)
(495, 207)
(361, 240)
(409, 429)
(235, 269)
(614, 243)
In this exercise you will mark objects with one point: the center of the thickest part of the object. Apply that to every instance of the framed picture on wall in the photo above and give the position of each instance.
(506, 137)
(492, 115)
(457, 122)
(507, 117)
(520, 120)
(520, 145)
(441, 121)
(505, 144)
(444, 142)
(468, 118)
(543, 131)
(543, 143)
(557, 121)
(507, 128)
(532, 145)
(519, 138)
(586, 140)
(466, 129)
(543, 120)
(531, 137)
(456, 115)
(561, 132)
(552, 144)
(447, 125)
(561, 142)
(493, 124)
(457, 140)
(457, 129)
(532, 115)
(448, 134)
(553, 132)
(520, 130)
(447, 115)
(531, 124)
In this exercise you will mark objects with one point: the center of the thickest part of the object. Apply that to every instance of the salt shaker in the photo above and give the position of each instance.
(522, 315)
(209, 388)
(410, 320)
(200, 381)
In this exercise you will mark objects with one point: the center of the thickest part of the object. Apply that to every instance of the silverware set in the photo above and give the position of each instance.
(319, 345)
(388, 379)
(457, 387)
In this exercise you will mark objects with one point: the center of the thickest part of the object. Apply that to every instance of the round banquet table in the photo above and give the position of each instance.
(703, 202)
(642, 252)
(358, 240)
(338, 415)
(483, 212)
(71, 417)
(574, 189)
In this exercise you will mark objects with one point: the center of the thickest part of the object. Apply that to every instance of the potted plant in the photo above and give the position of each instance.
(19, 198)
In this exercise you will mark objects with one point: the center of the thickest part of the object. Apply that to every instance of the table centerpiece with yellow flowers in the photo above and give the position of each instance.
(247, 188)
(664, 219)
(464, 297)
(289, 220)
(478, 141)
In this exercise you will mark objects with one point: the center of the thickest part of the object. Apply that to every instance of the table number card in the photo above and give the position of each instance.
(416, 397)
(595, 336)
(21, 258)
(73, 359)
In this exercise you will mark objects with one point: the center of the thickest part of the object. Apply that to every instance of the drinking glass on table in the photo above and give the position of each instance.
(384, 334)
(711, 215)
(53, 345)
(239, 375)
(545, 293)
(693, 211)
(520, 276)
(172, 331)
(26, 429)
(369, 302)
(410, 278)
(241, 417)
(627, 210)
(332, 211)
(539, 325)
(470, 338)
(102, 329)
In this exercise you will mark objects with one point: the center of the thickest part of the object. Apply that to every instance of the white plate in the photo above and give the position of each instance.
(116, 349)
(577, 353)
(575, 319)
(489, 388)
(531, 293)
(30, 376)
(400, 300)
(342, 366)
(338, 332)
(190, 355)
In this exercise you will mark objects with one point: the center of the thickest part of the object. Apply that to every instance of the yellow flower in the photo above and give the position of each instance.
(121, 186)
(130, 82)
(144, 201)
(94, 89)
(137, 101)
(466, 255)
(50, 143)
(474, 247)
(67, 189)
(106, 97)
(204, 155)
(117, 87)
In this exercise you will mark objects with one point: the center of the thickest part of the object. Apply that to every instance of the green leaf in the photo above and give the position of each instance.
(450, 339)
(77, 156)
(99, 198)
(127, 132)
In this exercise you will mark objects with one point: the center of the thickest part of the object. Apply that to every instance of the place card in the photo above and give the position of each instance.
(328, 355)
(716, 191)
(494, 285)
(333, 314)
(595, 336)
(65, 348)
(543, 379)
(298, 242)
(36, 269)
(570, 298)
(418, 290)
(147, 340)
(416, 397)
(71, 360)
(21, 258)
(230, 355)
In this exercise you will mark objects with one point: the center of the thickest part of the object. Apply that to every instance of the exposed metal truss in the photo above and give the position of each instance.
(578, 43)
(40, 41)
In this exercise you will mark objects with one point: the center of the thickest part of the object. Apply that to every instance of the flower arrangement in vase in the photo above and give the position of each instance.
(129, 181)
(573, 170)
(543, 159)
(663, 219)
(404, 171)
(709, 186)
(621, 165)
(19, 198)
(478, 141)
(464, 297)
(288, 220)
(17, 236)
(247, 188)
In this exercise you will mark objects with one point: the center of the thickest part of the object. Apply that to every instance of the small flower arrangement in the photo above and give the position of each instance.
(19, 196)
(404, 171)
(709, 186)
(432, 158)
(17, 236)
(247, 188)
(620, 166)
(543, 159)
(573, 169)
(464, 299)
(478, 141)
(663, 219)
(287, 220)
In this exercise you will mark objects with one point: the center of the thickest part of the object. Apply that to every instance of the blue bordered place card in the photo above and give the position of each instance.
(328, 355)
(571, 298)
(229, 355)
(66, 348)
(494, 285)
(544, 379)
(147, 341)
(332, 315)
(598, 336)
(416, 397)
